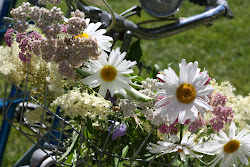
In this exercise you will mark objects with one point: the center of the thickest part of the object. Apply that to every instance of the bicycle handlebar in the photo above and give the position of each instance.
(122, 25)
(180, 26)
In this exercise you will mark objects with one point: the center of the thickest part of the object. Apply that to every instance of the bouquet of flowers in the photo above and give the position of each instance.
(116, 118)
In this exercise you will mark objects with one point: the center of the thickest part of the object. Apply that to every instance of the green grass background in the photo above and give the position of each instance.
(222, 49)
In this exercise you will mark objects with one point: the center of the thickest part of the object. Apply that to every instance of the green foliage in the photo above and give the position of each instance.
(135, 94)
(135, 52)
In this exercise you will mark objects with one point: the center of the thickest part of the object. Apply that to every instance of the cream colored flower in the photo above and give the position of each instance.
(74, 104)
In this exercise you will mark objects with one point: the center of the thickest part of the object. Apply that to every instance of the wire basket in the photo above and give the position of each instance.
(52, 133)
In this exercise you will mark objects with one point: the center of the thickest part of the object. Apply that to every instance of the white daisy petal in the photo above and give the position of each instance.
(97, 34)
(184, 139)
(164, 101)
(92, 27)
(206, 91)
(241, 134)
(169, 146)
(226, 160)
(183, 71)
(245, 138)
(246, 151)
(186, 150)
(242, 157)
(188, 91)
(216, 160)
(182, 113)
(193, 72)
(223, 135)
(203, 104)
(107, 75)
(174, 76)
(229, 149)
(232, 130)
(103, 90)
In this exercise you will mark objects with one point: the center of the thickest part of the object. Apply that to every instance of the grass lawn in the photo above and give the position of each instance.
(223, 49)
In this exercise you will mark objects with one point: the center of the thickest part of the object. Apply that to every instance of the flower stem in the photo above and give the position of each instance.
(181, 132)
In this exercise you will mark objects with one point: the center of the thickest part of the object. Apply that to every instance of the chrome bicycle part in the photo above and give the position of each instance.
(161, 8)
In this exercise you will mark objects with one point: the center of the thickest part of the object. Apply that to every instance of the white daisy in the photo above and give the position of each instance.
(92, 32)
(229, 148)
(185, 148)
(109, 73)
(186, 95)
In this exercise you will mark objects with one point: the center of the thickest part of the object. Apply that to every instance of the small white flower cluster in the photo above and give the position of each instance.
(150, 87)
(10, 64)
(154, 119)
(148, 109)
(127, 106)
(150, 84)
(54, 80)
(33, 116)
(75, 104)
(40, 72)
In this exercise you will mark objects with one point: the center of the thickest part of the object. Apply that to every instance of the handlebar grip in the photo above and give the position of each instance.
(210, 3)
(229, 13)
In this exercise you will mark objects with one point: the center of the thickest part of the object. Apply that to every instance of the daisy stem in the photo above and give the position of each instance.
(191, 164)
(181, 132)
(176, 155)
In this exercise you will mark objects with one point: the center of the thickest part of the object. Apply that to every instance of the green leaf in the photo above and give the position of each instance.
(116, 161)
(135, 78)
(136, 86)
(74, 139)
(80, 71)
(86, 133)
(177, 162)
(154, 71)
(69, 158)
(125, 151)
(135, 51)
(138, 95)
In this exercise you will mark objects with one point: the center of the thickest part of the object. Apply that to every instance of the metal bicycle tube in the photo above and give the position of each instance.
(180, 26)
(8, 115)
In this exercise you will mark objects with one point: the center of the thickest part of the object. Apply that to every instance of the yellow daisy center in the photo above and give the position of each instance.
(231, 146)
(186, 93)
(108, 73)
(82, 35)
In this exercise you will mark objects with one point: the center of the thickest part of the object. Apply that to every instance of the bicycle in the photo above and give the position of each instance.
(127, 29)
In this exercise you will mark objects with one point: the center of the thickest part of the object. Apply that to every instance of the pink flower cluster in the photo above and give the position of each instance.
(222, 114)
(66, 50)
(8, 36)
(169, 129)
(25, 42)
(198, 123)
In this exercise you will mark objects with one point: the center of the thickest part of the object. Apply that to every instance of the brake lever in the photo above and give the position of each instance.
(135, 10)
